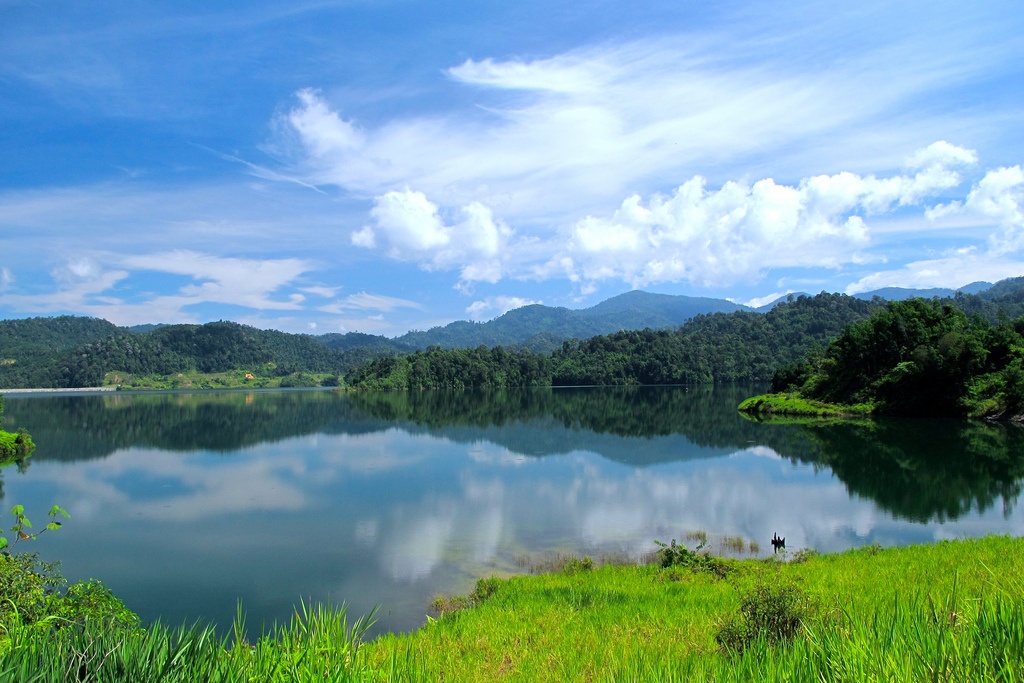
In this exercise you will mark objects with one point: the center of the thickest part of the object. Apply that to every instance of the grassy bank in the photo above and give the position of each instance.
(950, 611)
(791, 404)
(918, 613)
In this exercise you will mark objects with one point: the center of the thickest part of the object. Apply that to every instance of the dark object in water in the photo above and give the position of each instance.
(778, 542)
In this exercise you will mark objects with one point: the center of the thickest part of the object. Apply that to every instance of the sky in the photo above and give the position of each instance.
(386, 165)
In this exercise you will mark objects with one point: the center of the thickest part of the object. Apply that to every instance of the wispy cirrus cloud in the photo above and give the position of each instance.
(559, 135)
(92, 285)
(369, 302)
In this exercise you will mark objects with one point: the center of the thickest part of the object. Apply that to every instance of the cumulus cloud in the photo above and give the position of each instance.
(994, 206)
(322, 129)
(411, 227)
(695, 234)
(739, 231)
(494, 306)
(998, 198)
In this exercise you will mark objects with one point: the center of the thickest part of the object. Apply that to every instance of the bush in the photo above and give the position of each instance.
(90, 600)
(30, 592)
(771, 613)
(27, 585)
(678, 555)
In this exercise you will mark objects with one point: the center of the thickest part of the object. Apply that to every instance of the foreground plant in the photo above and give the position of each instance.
(317, 645)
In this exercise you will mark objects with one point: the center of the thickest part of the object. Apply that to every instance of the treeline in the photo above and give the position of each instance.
(69, 351)
(78, 352)
(918, 357)
(721, 347)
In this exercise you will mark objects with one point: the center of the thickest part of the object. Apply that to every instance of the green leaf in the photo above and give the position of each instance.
(17, 510)
(3, 542)
(53, 526)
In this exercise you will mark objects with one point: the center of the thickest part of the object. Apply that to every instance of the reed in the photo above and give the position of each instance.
(318, 644)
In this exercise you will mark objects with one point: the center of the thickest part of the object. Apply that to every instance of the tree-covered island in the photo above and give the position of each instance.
(910, 358)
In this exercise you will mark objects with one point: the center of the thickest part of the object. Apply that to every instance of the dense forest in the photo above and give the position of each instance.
(917, 357)
(85, 349)
(740, 345)
(722, 347)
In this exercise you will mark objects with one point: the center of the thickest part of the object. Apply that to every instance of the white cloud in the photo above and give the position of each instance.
(995, 203)
(698, 235)
(757, 302)
(997, 198)
(955, 269)
(242, 282)
(494, 306)
(411, 227)
(321, 128)
(87, 285)
(740, 231)
(409, 222)
(6, 278)
(370, 302)
(556, 136)
(320, 291)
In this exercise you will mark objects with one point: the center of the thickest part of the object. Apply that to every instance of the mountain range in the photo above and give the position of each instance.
(543, 328)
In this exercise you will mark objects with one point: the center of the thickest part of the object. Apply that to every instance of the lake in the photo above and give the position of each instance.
(189, 504)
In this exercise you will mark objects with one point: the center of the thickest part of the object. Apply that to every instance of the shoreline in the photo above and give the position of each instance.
(78, 390)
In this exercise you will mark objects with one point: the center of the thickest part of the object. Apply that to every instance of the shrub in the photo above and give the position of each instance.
(771, 613)
(576, 565)
(678, 555)
(484, 589)
(27, 585)
(92, 601)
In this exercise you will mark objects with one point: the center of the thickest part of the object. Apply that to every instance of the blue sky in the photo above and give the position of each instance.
(380, 166)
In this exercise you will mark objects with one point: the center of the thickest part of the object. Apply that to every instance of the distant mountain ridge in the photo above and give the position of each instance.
(903, 293)
(539, 327)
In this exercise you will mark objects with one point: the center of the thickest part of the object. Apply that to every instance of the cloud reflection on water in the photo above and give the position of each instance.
(393, 512)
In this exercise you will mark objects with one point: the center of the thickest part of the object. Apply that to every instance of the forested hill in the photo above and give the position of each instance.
(722, 347)
(30, 348)
(45, 359)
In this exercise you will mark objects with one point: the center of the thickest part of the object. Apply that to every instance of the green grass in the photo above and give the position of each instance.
(899, 613)
(951, 611)
(15, 445)
(770, 406)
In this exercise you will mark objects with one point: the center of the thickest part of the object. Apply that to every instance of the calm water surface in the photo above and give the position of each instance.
(186, 504)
